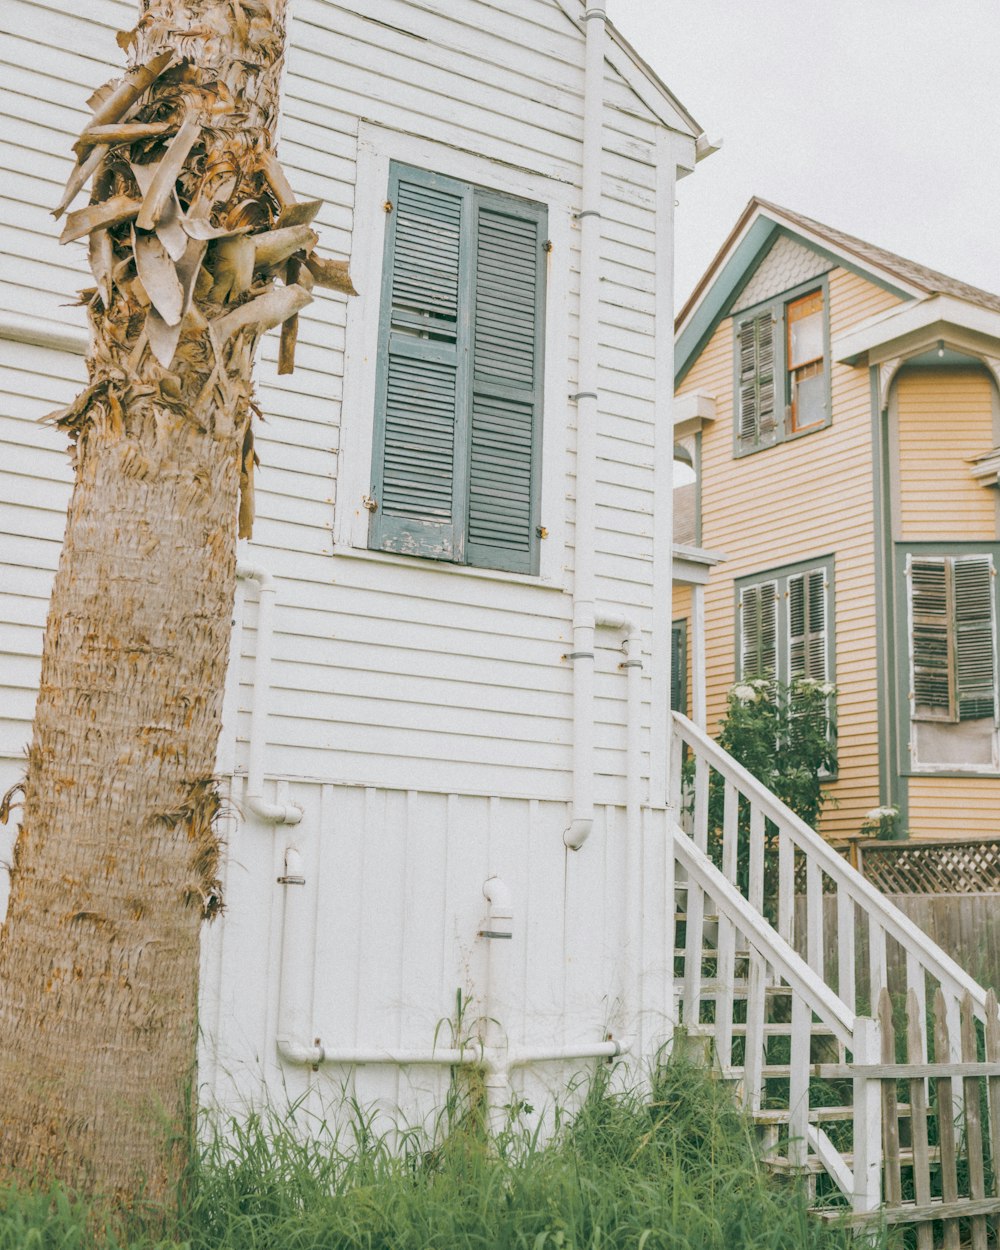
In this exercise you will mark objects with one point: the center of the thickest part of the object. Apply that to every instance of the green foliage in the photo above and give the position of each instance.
(784, 735)
(673, 1169)
(883, 823)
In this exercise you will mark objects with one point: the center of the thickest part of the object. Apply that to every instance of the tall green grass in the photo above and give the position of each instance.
(673, 1169)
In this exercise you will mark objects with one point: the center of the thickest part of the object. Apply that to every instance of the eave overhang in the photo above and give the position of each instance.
(937, 322)
(692, 565)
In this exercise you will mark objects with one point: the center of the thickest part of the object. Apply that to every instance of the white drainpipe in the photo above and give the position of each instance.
(632, 664)
(499, 934)
(584, 572)
(275, 813)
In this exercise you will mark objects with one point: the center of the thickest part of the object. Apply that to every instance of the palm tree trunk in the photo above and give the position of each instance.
(115, 865)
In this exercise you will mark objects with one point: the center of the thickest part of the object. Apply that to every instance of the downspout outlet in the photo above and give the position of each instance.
(500, 923)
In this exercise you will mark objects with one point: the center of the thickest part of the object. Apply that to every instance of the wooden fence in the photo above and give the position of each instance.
(940, 1122)
(966, 926)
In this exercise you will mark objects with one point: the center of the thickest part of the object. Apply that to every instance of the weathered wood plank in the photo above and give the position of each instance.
(915, 1049)
(946, 1122)
(973, 1124)
(893, 1181)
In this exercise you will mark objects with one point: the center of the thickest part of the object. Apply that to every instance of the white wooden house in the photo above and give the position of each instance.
(450, 662)
(454, 771)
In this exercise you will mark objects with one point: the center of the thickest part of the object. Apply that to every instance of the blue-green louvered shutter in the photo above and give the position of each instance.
(975, 670)
(504, 439)
(422, 374)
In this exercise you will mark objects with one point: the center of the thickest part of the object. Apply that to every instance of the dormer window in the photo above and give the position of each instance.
(782, 374)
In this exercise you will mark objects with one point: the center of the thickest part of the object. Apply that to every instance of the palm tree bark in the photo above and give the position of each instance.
(197, 247)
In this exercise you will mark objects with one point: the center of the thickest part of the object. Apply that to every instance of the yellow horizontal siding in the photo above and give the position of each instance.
(944, 417)
(807, 498)
(954, 807)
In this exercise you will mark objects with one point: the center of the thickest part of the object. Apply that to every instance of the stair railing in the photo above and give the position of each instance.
(859, 906)
(774, 966)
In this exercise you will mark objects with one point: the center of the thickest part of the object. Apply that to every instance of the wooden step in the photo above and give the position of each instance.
(738, 988)
(817, 1115)
(710, 952)
(783, 1167)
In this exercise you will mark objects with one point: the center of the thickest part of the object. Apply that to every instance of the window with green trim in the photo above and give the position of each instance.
(782, 370)
(784, 624)
(953, 697)
(456, 464)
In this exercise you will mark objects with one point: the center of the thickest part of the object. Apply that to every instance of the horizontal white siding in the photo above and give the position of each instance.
(383, 673)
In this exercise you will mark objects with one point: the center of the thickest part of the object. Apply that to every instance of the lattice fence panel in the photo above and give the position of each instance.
(966, 867)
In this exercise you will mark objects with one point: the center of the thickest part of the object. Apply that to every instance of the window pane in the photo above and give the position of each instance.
(805, 339)
(808, 399)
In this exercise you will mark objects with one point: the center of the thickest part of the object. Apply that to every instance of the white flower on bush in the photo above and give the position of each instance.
(743, 692)
(882, 813)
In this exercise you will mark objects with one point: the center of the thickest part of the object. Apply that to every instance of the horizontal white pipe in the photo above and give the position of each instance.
(522, 1057)
(312, 1056)
(275, 813)
(19, 328)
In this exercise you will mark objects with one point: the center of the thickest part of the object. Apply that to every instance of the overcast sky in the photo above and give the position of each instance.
(879, 117)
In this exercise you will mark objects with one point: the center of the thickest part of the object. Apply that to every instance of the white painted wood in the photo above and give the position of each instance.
(869, 901)
(867, 1099)
(846, 968)
(798, 1083)
(786, 886)
(815, 948)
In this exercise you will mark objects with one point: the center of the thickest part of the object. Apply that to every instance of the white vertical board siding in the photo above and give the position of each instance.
(394, 882)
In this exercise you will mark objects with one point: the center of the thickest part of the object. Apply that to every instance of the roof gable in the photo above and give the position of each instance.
(745, 254)
(637, 74)
(787, 264)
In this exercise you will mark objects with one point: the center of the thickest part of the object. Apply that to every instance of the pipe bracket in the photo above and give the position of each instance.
(578, 655)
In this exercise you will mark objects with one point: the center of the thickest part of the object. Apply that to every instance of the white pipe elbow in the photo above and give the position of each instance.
(246, 572)
(274, 813)
(578, 832)
(300, 1053)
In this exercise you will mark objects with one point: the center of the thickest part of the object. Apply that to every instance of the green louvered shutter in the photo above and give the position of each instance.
(974, 629)
(758, 422)
(422, 374)
(807, 626)
(932, 659)
(505, 420)
(678, 668)
(759, 631)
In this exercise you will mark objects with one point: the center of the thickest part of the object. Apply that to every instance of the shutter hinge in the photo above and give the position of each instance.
(388, 206)
(370, 503)
(541, 531)
(548, 245)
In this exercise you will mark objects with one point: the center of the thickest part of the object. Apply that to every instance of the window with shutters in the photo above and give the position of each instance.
(784, 624)
(952, 610)
(782, 374)
(456, 460)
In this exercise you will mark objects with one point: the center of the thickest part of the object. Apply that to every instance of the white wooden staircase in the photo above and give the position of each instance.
(770, 925)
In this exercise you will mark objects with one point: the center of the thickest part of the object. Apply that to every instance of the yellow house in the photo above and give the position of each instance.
(839, 405)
